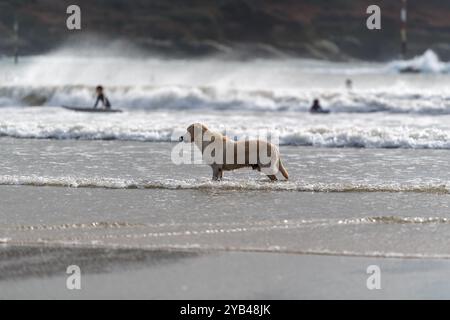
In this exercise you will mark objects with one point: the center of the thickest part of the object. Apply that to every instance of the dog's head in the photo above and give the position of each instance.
(193, 132)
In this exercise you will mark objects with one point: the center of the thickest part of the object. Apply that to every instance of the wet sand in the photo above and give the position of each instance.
(39, 273)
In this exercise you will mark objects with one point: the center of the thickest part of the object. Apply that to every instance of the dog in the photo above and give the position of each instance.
(224, 154)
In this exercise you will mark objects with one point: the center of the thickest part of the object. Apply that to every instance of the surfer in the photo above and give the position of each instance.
(349, 84)
(317, 108)
(101, 97)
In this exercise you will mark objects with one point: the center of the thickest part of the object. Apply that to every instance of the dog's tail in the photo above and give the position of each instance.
(283, 170)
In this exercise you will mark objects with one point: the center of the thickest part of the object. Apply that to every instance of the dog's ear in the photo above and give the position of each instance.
(196, 129)
(190, 130)
(204, 128)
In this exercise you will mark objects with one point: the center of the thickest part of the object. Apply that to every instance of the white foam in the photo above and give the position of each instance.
(161, 97)
(193, 184)
(429, 62)
(340, 130)
(360, 137)
(177, 98)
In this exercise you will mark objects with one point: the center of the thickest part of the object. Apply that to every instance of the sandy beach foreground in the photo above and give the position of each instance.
(39, 272)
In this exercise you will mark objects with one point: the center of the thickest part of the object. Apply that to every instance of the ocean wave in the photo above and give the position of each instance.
(191, 98)
(213, 84)
(327, 134)
(194, 184)
(429, 62)
(357, 137)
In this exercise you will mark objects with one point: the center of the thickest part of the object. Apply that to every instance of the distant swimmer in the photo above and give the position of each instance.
(101, 97)
(349, 84)
(317, 108)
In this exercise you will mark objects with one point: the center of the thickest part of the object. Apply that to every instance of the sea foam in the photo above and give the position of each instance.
(193, 184)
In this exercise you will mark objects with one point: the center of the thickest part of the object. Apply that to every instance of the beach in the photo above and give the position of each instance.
(245, 230)
(143, 274)
(369, 183)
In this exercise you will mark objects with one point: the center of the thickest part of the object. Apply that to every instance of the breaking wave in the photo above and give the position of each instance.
(407, 138)
(159, 97)
(161, 127)
(429, 62)
(193, 184)
(189, 98)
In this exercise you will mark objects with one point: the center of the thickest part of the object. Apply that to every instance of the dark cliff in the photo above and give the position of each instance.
(329, 29)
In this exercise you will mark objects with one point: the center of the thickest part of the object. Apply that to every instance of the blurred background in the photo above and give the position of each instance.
(163, 58)
(321, 29)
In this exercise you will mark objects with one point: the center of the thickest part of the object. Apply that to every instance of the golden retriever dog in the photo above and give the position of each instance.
(224, 154)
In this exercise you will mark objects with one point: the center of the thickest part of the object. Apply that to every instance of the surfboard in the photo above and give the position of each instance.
(98, 110)
(320, 112)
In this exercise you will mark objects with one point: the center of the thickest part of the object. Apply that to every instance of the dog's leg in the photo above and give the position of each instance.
(272, 177)
(220, 174)
(256, 167)
(216, 172)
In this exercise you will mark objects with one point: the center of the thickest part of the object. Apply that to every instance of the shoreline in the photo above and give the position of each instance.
(162, 274)
(195, 250)
(324, 224)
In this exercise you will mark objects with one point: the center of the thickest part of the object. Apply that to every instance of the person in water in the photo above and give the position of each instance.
(316, 107)
(102, 98)
(349, 84)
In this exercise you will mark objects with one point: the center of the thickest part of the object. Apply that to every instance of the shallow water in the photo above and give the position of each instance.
(364, 202)
(128, 164)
